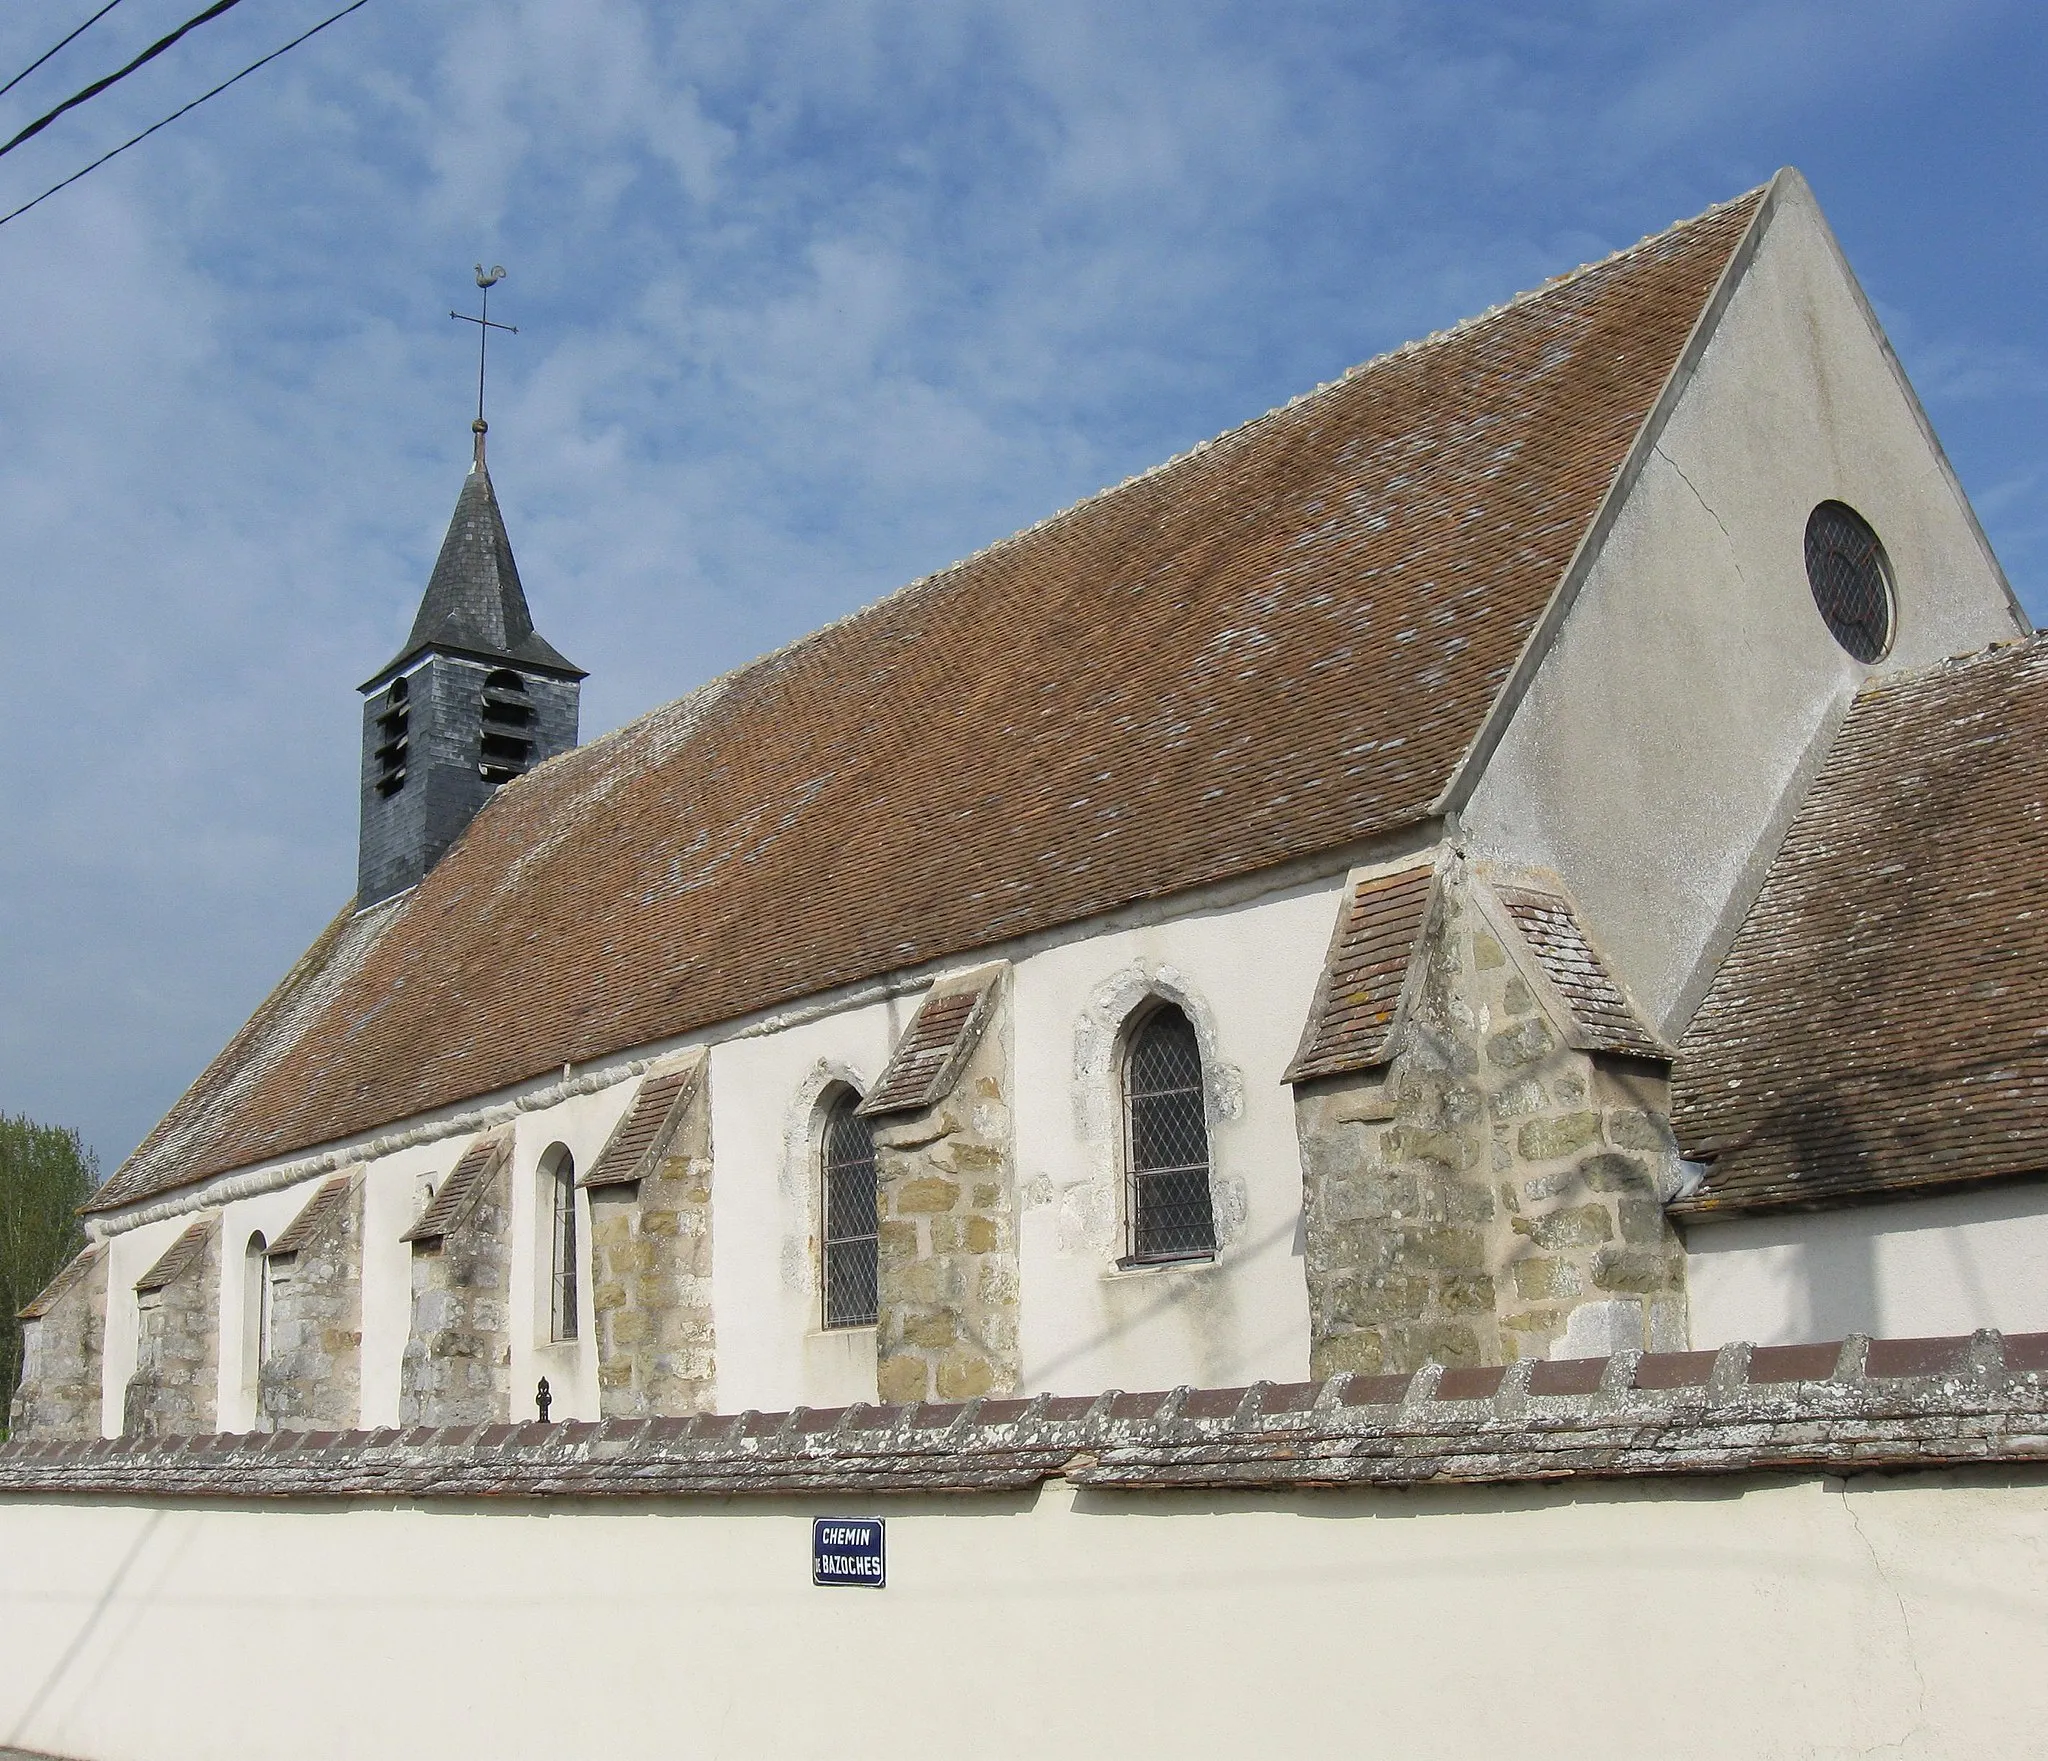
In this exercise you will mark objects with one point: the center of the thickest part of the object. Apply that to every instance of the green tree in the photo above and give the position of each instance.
(45, 1175)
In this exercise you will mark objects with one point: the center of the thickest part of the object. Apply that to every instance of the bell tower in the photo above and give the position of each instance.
(475, 698)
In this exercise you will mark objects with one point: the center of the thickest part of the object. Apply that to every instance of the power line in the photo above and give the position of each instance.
(120, 73)
(47, 53)
(335, 18)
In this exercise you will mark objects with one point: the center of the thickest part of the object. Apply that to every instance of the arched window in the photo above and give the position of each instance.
(256, 1299)
(1166, 1140)
(852, 1276)
(558, 1193)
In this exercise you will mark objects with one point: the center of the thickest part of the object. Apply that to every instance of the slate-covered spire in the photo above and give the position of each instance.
(475, 698)
(474, 602)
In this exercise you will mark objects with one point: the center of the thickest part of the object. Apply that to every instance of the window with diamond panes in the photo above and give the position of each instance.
(1851, 580)
(850, 1269)
(1168, 1138)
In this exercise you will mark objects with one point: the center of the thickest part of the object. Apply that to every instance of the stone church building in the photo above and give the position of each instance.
(1490, 916)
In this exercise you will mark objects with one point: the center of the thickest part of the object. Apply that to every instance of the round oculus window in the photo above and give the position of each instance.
(1851, 580)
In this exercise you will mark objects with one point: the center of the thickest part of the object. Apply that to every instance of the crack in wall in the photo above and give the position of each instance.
(1905, 1623)
(1733, 555)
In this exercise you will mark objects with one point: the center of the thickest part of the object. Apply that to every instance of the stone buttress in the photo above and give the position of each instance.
(945, 1169)
(173, 1392)
(457, 1367)
(312, 1376)
(650, 1248)
(63, 1348)
(1484, 1132)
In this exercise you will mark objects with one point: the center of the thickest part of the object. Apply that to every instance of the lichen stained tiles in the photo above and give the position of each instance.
(933, 1047)
(1197, 675)
(1881, 1022)
(1603, 1019)
(1358, 1003)
(648, 1121)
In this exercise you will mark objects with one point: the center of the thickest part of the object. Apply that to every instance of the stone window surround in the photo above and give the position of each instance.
(803, 1185)
(1096, 1208)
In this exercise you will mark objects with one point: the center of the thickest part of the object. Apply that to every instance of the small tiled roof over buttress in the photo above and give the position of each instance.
(1281, 643)
(1881, 1024)
(1352, 1024)
(937, 1042)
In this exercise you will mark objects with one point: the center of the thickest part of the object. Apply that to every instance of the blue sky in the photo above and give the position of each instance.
(814, 298)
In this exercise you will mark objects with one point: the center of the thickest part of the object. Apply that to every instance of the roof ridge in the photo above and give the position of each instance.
(1413, 345)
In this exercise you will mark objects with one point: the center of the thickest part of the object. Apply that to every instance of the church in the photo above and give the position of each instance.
(1479, 933)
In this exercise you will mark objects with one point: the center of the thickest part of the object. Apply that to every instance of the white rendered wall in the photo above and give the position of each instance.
(1933, 1266)
(1663, 736)
(129, 1256)
(1884, 1616)
(581, 1124)
(768, 1097)
(1246, 975)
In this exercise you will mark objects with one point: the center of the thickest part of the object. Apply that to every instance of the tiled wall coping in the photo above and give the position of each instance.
(1849, 1406)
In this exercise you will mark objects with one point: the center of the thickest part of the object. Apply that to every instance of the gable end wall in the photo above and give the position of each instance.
(1686, 700)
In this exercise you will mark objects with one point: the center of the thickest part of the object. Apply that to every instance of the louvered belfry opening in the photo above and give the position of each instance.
(1851, 580)
(393, 738)
(505, 747)
(1167, 1140)
(851, 1271)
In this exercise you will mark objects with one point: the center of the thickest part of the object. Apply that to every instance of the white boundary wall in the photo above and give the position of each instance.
(1707, 1618)
(1916, 1268)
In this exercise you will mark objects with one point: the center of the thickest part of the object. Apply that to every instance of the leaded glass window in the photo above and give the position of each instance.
(1851, 580)
(1167, 1140)
(851, 1273)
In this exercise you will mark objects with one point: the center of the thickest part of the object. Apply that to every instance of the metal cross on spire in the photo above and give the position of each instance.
(486, 279)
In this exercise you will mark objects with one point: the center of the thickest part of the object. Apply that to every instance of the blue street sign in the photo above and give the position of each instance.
(848, 1550)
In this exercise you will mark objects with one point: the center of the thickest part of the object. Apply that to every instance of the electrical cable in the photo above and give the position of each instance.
(334, 18)
(119, 74)
(47, 53)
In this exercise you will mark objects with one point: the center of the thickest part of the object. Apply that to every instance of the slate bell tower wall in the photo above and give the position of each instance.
(451, 712)
(475, 699)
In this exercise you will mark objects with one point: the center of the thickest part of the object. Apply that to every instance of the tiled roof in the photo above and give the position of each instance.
(1849, 1406)
(1881, 1023)
(1282, 643)
(185, 1137)
(639, 1136)
(1352, 1024)
(1603, 1019)
(53, 1292)
(454, 1196)
(933, 1047)
(177, 1259)
(313, 1216)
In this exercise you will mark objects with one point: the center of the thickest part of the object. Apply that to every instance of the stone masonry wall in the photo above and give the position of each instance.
(457, 1367)
(947, 1327)
(650, 1250)
(312, 1378)
(62, 1355)
(1462, 1202)
(173, 1392)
